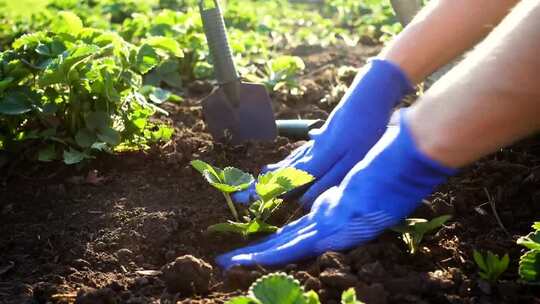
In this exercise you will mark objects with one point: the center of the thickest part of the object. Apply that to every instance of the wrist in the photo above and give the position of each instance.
(396, 170)
(392, 77)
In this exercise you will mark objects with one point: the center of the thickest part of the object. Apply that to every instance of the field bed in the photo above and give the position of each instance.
(105, 229)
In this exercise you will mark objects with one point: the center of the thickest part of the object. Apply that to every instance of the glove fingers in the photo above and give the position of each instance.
(292, 248)
(357, 231)
(332, 178)
(282, 236)
(294, 156)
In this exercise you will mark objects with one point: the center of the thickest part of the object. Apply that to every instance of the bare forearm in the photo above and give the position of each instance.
(489, 100)
(442, 31)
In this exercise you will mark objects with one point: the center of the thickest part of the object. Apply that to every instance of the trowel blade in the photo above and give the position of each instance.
(251, 120)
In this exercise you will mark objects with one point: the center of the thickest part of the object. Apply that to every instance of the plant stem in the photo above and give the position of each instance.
(231, 205)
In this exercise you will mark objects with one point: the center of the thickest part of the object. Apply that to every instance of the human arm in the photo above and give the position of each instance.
(489, 100)
(441, 31)
(433, 138)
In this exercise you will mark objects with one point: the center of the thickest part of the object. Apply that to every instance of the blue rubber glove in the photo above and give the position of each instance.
(352, 128)
(378, 192)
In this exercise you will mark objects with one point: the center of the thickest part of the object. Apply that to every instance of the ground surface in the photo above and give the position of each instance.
(106, 230)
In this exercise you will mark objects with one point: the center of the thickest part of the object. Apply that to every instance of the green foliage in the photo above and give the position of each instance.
(226, 180)
(269, 187)
(349, 297)
(280, 72)
(74, 91)
(414, 229)
(374, 18)
(491, 266)
(82, 77)
(281, 288)
(529, 262)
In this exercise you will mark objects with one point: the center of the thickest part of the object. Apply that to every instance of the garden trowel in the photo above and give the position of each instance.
(235, 112)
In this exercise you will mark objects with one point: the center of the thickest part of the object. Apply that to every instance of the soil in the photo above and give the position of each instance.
(131, 228)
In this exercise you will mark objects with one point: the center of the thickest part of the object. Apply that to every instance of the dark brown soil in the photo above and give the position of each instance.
(111, 232)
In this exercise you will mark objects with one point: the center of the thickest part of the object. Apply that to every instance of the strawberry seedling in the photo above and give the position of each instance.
(284, 289)
(491, 266)
(529, 262)
(227, 180)
(414, 229)
(268, 187)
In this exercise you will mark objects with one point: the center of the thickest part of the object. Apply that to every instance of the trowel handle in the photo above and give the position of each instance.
(297, 128)
(216, 35)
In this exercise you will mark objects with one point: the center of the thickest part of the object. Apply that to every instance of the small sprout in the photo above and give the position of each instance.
(491, 266)
(414, 229)
(280, 72)
(349, 297)
(226, 180)
(269, 187)
(529, 262)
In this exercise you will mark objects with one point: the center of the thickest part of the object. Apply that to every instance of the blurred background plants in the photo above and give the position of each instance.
(66, 63)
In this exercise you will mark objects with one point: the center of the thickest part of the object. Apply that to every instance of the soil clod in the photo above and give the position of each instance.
(187, 275)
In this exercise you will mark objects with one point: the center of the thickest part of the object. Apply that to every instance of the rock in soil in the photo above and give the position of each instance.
(333, 260)
(308, 281)
(187, 275)
(95, 296)
(372, 294)
(338, 278)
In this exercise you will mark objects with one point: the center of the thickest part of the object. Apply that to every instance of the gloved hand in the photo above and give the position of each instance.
(352, 128)
(378, 192)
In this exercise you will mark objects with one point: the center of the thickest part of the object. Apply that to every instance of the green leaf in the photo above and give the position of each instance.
(167, 72)
(269, 207)
(531, 241)
(312, 297)
(243, 300)
(202, 167)
(109, 135)
(18, 102)
(163, 133)
(159, 95)
(4, 83)
(165, 43)
(425, 227)
(97, 121)
(66, 22)
(479, 259)
(273, 184)
(529, 266)
(47, 154)
(251, 227)
(85, 138)
(258, 226)
(29, 40)
(491, 265)
(349, 297)
(73, 156)
(277, 288)
(237, 178)
(227, 180)
(536, 226)
(147, 59)
(12, 106)
(230, 226)
(288, 65)
(414, 229)
(503, 264)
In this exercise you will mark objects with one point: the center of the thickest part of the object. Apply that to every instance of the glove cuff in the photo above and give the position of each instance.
(396, 170)
(393, 77)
